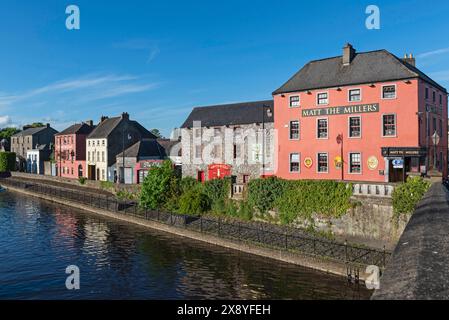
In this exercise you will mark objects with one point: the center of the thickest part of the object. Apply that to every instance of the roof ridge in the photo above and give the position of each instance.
(232, 104)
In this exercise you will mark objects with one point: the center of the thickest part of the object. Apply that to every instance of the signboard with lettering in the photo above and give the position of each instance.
(403, 152)
(398, 163)
(335, 111)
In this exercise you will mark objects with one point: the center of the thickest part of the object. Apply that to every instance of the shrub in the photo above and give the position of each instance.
(218, 192)
(263, 193)
(194, 203)
(82, 180)
(407, 195)
(7, 161)
(302, 199)
(106, 185)
(245, 212)
(189, 183)
(160, 188)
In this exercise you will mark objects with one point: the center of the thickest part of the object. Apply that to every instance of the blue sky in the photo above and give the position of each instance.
(158, 59)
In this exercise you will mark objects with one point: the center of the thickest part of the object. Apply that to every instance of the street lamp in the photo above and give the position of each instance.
(340, 142)
(427, 134)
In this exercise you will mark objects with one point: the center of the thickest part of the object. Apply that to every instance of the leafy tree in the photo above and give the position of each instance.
(35, 125)
(6, 133)
(159, 186)
(194, 203)
(156, 132)
(7, 161)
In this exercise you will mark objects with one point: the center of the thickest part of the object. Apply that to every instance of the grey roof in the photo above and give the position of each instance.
(367, 67)
(32, 131)
(168, 144)
(231, 114)
(104, 129)
(144, 148)
(77, 128)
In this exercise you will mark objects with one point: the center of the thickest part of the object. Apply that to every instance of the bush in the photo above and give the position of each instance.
(194, 203)
(263, 193)
(7, 161)
(218, 192)
(106, 185)
(160, 188)
(82, 180)
(407, 195)
(303, 199)
(189, 183)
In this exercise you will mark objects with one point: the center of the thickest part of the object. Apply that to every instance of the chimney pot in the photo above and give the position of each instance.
(348, 54)
(125, 115)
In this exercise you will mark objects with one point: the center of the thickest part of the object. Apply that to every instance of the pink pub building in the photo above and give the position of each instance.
(361, 117)
(70, 150)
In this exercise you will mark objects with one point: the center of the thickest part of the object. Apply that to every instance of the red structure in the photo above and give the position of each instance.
(70, 150)
(361, 117)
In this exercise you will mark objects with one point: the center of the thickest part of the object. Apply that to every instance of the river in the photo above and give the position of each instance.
(38, 240)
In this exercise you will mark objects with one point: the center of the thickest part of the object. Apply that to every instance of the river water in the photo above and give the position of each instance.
(38, 240)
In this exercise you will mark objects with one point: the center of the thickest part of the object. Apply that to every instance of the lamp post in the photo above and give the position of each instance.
(426, 134)
(340, 142)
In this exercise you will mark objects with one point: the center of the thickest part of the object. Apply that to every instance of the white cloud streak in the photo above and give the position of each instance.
(433, 53)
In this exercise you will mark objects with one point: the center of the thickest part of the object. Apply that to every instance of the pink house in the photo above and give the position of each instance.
(361, 117)
(70, 150)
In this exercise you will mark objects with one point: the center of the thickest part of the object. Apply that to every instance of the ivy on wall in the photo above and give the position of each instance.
(7, 161)
(407, 196)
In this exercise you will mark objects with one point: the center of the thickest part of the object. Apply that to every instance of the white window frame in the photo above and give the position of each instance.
(290, 130)
(290, 102)
(317, 98)
(316, 128)
(290, 163)
(318, 163)
(395, 124)
(350, 160)
(395, 91)
(349, 95)
(349, 126)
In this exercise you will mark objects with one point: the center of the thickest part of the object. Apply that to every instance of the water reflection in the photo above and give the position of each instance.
(121, 261)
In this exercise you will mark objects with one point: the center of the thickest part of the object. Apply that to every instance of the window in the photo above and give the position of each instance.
(434, 96)
(294, 130)
(355, 95)
(98, 142)
(389, 125)
(355, 163)
(441, 99)
(355, 126)
(198, 133)
(98, 156)
(236, 151)
(294, 101)
(434, 123)
(441, 128)
(294, 162)
(217, 132)
(103, 142)
(427, 93)
(198, 152)
(217, 151)
(322, 98)
(389, 92)
(322, 128)
(88, 156)
(102, 156)
(322, 163)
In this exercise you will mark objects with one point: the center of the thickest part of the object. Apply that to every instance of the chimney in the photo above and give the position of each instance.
(48, 125)
(103, 118)
(348, 54)
(90, 123)
(410, 59)
(125, 115)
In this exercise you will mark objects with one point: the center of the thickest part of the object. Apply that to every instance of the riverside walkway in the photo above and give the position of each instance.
(419, 267)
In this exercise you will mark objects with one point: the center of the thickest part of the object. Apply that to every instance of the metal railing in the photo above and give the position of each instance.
(235, 231)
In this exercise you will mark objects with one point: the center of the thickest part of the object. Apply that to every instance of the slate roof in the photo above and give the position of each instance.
(105, 128)
(231, 114)
(32, 131)
(367, 67)
(144, 148)
(77, 128)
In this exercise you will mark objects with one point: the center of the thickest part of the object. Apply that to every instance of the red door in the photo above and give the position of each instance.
(219, 171)
(201, 177)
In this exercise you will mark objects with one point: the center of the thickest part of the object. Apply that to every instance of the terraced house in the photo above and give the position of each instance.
(70, 150)
(111, 137)
(367, 116)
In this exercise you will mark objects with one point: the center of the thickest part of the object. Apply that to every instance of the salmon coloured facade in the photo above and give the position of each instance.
(361, 117)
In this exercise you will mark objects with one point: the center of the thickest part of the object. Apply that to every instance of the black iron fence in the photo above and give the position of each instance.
(235, 231)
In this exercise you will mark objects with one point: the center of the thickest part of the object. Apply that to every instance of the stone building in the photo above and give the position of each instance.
(235, 140)
(107, 140)
(28, 139)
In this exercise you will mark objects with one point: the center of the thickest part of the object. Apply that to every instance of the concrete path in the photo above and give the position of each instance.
(419, 268)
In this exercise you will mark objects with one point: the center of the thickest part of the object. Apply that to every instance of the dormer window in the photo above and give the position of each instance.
(294, 101)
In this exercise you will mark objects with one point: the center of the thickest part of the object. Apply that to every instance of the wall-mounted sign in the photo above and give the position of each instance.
(308, 162)
(373, 163)
(338, 162)
(335, 111)
(403, 152)
(150, 164)
(398, 163)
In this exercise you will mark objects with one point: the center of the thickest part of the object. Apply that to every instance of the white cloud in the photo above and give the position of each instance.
(440, 75)
(433, 53)
(4, 121)
(140, 45)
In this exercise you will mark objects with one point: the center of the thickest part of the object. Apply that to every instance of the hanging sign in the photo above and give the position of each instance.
(338, 161)
(398, 163)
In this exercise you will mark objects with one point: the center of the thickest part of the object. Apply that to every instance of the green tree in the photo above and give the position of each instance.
(159, 187)
(7, 161)
(156, 132)
(6, 133)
